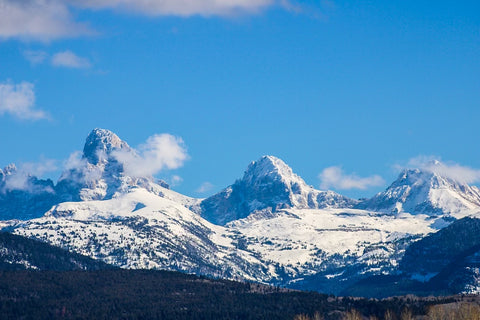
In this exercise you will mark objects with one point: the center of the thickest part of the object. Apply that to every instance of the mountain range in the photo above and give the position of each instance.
(269, 226)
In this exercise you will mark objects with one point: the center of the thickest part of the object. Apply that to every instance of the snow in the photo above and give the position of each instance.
(293, 237)
(291, 230)
(162, 234)
(425, 192)
(298, 241)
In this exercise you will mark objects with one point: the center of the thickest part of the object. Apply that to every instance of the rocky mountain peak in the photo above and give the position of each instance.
(268, 183)
(271, 170)
(268, 167)
(8, 170)
(100, 175)
(100, 143)
(430, 178)
(428, 190)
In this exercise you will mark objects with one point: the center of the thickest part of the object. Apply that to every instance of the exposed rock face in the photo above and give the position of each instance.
(268, 226)
(424, 192)
(99, 174)
(100, 145)
(268, 183)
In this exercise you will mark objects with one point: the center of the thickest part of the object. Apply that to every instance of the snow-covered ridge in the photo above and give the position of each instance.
(100, 144)
(98, 174)
(268, 183)
(270, 166)
(139, 229)
(268, 226)
(420, 191)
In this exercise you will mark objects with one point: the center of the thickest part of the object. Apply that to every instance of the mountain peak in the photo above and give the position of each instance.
(9, 169)
(268, 166)
(100, 174)
(431, 176)
(428, 191)
(101, 142)
(268, 184)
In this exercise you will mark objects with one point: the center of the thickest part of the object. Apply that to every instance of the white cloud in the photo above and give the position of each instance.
(183, 8)
(19, 101)
(204, 187)
(16, 181)
(334, 177)
(46, 20)
(175, 180)
(38, 19)
(83, 172)
(35, 56)
(450, 170)
(39, 168)
(69, 59)
(19, 179)
(159, 152)
(75, 161)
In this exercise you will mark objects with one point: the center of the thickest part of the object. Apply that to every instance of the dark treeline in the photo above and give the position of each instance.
(147, 294)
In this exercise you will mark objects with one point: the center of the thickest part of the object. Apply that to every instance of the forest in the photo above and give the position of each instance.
(149, 294)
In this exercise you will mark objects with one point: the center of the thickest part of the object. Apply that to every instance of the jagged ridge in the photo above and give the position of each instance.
(425, 192)
(276, 228)
(268, 183)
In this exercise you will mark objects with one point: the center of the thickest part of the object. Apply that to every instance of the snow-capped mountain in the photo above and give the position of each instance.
(139, 229)
(269, 226)
(425, 191)
(99, 174)
(268, 184)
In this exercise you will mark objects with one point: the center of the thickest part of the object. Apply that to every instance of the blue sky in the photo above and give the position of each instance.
(363, 86)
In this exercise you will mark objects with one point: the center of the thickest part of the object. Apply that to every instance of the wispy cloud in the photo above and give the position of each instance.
(77, 168)
(447, 169)
(18, 100)
(42, 20)
(175, 180)
(35, 56)
(318, 10)
(20, 179)
(183, 8)
(159, 152)
(204, 187)
(334, 177)
(47, 20)
(68, 59)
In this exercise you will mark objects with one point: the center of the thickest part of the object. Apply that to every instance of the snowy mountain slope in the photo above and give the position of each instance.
(329, 242)
(139, 229)
(142, 230)
(268, 226)
(19, 253)
(268, 183)
(96, 175)
(443, 263)
(424, 191)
